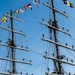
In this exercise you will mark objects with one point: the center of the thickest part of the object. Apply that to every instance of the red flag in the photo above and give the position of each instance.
(29, 5)
(39, 1)
(26, 7)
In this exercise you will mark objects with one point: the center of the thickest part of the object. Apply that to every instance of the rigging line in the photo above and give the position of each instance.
(64, 9)
(7, 61)
(60, 42)
(5, 65)
(34, 49)
(73, 38)
(39, 65)
(73, 24)
(34, 16)
(1, 68)
(62, 23)
(34, 69)
(71, 21)
(69, 52)
(61, 38)
(31, 21)
(35, 66)
(37, 45)
(72, 17)
(42, 67)
(65, 72)
(57, 3)
(29, 32)
(34, 35)
(36, 52)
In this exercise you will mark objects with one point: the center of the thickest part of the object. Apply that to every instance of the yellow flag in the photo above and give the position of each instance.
(4, 19)
(17, 11)
(68, 3)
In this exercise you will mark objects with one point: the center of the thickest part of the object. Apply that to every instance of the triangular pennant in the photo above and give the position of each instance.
(65, 1)
(34, 1)
(21, 10)
(71, 5)
(68, 3)
(39, 1)
(17, 11)
(29, 5)
(4, 19)
(26, 7)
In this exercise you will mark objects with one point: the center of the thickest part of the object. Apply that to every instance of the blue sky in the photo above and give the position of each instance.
(34, 30)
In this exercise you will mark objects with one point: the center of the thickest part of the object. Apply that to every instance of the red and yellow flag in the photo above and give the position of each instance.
(68, 3)
(26, 7)
(4, 19)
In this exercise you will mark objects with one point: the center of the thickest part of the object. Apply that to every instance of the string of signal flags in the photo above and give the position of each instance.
(68, 3)
(29, 5)
(21, 10)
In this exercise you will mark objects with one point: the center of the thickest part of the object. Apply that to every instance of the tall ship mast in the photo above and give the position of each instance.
(12, 47)
(42, 42)
(53, 27)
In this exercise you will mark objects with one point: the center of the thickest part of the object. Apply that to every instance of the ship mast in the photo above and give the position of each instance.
(12, 44)
(54, 23)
